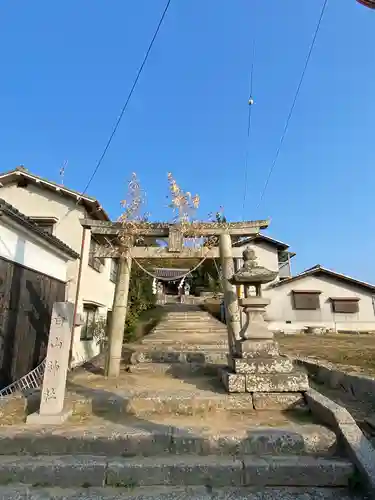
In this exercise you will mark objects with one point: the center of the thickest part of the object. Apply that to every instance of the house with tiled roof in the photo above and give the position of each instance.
(33, 275)
(57, 210)
(317, 299)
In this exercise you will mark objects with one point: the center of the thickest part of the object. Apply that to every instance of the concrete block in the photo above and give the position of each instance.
(279, 401)
(357, 445)
(255, 349)
(297, 471)
(38, 419)
(327, 411)
(233, 382)
(310, 439)
(284, 382)
(187, 470)
(277, 364)
(175, 493)
(62, 471)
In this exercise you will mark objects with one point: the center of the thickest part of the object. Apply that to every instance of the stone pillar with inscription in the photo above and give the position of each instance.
(232, 313)
(52, 409)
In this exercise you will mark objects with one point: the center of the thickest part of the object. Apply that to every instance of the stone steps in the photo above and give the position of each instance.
(178, 369)
(194, 324)
(185, 346)
(175, 354)
(192, 342)
(20, 492)
(186, 329)
(184, 470)
(166, 436)
(161, 403)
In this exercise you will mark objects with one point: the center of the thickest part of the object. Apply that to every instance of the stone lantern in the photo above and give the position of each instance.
(253, 276)
(256, 367)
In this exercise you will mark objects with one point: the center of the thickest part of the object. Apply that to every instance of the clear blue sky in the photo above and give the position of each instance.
(67, 67)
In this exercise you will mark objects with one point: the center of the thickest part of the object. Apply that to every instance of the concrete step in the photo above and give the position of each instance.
(188, 328)
(189, 317)
(168, 435)
(190, 341)
(175, 354)
(20, 492)
(98, 471)
(178, 369)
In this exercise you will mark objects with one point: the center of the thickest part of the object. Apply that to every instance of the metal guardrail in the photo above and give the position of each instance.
(32, 380)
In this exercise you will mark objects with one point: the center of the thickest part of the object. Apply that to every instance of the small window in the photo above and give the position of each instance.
(307, 300)
(47, 224)
(114, 270)
(47, 228)
(345, 306)
(96, 263)
(90, 316)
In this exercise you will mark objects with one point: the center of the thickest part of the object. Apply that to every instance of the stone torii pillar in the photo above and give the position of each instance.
(232, 314)
(117, 325)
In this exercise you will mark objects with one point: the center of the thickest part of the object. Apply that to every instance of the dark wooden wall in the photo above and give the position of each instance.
(26, 300)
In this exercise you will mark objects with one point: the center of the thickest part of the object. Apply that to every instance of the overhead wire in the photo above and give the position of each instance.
(129, 96)
(283, 135)
(249, 122)
(118, 121)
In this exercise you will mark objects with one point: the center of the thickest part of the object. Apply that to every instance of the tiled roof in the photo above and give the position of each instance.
(12, 175)
(261, 237)
(318, 269)
(23, 220)
(163, 272)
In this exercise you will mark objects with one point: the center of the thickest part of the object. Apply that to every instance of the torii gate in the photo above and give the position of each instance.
(107, 233)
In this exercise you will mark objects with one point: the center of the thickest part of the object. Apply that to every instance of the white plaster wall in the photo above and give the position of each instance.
(95, 286)
(20, 246)
(266, 254)
(281, 310)
(35, 201)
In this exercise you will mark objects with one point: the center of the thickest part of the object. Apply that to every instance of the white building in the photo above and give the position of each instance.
(33, 275)
(317, 297)
(58, 210)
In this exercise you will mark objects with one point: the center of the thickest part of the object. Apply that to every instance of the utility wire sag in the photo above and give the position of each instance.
(128, 97)
(123, 108)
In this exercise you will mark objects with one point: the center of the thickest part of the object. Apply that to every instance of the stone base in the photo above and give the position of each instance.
(279, 364)
(277, 382)
(257, 348)
(38, 419)
(233, 382)
(279, 401)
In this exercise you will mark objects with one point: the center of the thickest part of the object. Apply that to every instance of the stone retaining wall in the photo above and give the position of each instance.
(360, 386)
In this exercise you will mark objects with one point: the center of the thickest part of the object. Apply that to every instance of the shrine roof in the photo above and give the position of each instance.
(165, 272)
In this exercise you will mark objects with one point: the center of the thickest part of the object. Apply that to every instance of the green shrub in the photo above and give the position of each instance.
(140, 299)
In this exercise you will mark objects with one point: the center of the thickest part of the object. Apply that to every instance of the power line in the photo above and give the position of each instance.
(123, 108)
(293, 104)
(250, 103)
(128, 97)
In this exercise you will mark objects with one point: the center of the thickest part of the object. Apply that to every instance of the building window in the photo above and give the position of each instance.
(306, 299)
(96, 263)
(345, 305)
(90, 316)
(114, 270)
(47, 224)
